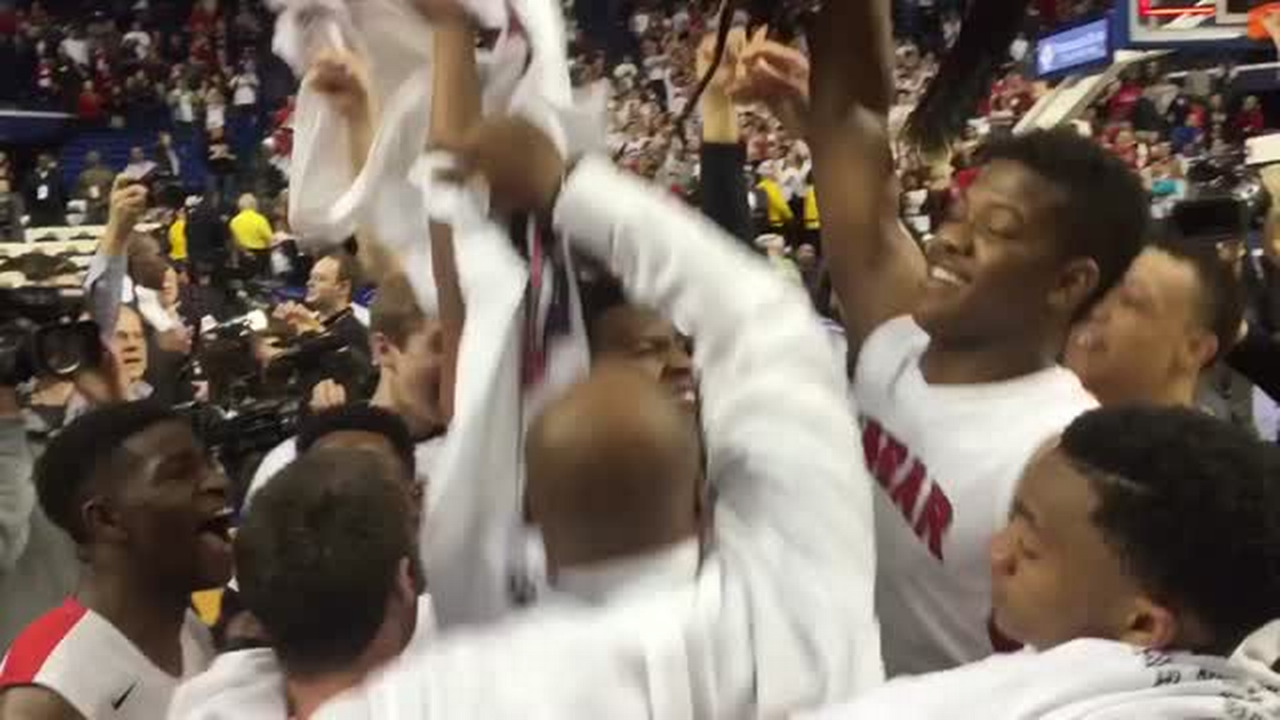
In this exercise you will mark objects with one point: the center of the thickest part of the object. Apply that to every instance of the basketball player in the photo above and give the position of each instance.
(954, 353)
(775, 612)
(1142, 550)
(148, 511)
(327, 561)
(1177, 310)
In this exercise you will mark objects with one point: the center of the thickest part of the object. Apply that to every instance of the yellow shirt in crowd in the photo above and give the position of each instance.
(779, 211)
(178, 239)
(251, 230)
(812, 221)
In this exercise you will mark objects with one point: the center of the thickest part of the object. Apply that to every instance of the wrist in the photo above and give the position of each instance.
(720, 121)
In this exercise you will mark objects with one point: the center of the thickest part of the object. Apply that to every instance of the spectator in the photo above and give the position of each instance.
(137, 40)
(185, 106)
(90, 106)
(215, 108)
(244, 87)
(168, 163)
(1250, 121)
(76, 47)
(12, 209)
(222, 166)
(94, 187)
(139, 167)
(45, 198)
(252, 233)
(178, 237)
(1188, 138)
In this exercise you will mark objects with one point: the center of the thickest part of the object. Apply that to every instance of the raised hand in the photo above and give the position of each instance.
(327, 395)
(344, 79)
(519, 162)
(128, 203)
(777, 75)
(723, 80)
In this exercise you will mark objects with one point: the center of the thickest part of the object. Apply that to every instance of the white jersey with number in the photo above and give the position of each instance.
(82, 657)
(946, 460)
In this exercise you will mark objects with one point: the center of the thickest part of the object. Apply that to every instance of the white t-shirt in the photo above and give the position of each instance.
(82, 657)
(1087, 679)
(245, 89)
(947, 460)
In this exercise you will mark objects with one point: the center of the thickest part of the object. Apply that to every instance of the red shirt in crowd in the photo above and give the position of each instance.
(89, 106)
(1250, 122)
(1120, 106)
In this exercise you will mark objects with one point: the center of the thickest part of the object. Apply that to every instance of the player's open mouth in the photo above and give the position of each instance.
(219, 526)
(943, 276)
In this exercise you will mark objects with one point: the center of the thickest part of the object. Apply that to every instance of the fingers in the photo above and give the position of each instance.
(786, 58)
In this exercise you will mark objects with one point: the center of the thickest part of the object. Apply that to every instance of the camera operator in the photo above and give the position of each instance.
(329, 307)
(409, 352)
(147, 510)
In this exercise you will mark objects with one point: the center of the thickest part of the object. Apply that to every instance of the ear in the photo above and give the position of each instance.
(101, 521)
(1199, 349)
(384, 351)
(1075, 285)
(1151, 625)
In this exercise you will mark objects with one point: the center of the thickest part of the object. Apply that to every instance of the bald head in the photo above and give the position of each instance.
(614, 469)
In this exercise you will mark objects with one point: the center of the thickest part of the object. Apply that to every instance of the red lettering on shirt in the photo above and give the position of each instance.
(886, 458)
(934, 520)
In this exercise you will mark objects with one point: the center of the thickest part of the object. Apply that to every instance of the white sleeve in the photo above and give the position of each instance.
(794, 505)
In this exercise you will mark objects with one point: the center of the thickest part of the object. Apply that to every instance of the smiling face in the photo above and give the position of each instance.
(1054, 578)
(650, 343)
(1146, 332)
(168, 509)
(994, 262)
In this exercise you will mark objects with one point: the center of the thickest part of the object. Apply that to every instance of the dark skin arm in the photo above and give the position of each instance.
(35, 703)
(455, 107)
(875, 266)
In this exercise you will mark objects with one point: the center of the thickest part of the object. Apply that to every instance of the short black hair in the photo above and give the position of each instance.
(86, 449)
(361, 417)
(1192, 506)
(348, 267)
(318, 555)
(1106, 210)
(1221, 301)
(600, 292)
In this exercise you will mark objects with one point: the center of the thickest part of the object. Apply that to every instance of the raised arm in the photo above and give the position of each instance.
(875, 266)
(455, 107)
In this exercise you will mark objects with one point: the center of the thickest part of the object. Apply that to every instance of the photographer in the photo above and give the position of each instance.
(408, 348)
(329, 308)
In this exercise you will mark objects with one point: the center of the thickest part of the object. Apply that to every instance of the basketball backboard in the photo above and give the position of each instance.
(1184, 24)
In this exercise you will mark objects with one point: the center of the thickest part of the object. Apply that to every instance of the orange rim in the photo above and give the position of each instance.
(1256, 29)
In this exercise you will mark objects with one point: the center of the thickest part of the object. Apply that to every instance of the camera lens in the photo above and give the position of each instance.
(61, 350)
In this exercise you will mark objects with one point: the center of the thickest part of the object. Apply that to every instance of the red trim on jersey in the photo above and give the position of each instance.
(34, 646)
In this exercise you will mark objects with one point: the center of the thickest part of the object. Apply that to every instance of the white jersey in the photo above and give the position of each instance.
(1087, 679)
(946, 460)
(79, 655)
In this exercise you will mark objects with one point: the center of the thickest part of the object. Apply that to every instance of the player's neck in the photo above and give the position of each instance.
(150, 617)
(306, 694)
(1174, 392)
(986, 362)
